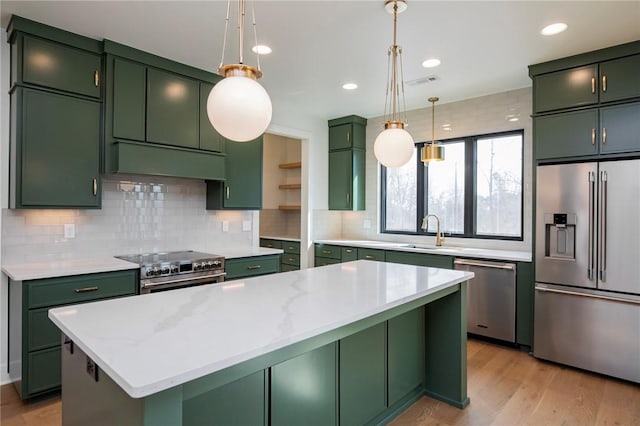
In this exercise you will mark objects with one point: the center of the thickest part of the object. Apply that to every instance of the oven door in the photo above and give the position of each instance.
(171, 283)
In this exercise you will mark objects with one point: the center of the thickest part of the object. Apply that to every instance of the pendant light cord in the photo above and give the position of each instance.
(241, 31)
(226, 30)
(255, 34)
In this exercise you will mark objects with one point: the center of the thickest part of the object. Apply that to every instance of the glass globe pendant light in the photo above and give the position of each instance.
(433, 151)
(394, 145)
(238, 107)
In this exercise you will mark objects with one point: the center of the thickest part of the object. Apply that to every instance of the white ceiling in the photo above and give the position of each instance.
(484, 47)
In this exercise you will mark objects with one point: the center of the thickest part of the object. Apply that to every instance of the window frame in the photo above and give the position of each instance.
(470, 200)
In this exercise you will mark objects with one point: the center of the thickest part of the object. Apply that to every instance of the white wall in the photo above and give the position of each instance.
(4, 173)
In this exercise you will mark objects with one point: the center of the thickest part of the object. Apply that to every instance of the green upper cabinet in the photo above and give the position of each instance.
(620, 128)
(565, 89)
(620, 79)
(570, 134)
(55, 135)
(347, 163)
(129, 93)
(347, 180)
(210, 139)
(57, 151)
(172, 109)
(242, 189)
(57, 66)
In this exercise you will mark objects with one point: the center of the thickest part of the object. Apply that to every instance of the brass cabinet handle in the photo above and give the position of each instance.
(593, 136)
(347, 198)
(227, 192)
(369, 257)
(253, 267)
(604, 83)
(290, 248)
(291, 260)
(95, 186)
(604, 135)
(348, 136)
(86, 289)
(593, 85)
(269, 245)
(326, 251)
(348, 250)
(96, 78)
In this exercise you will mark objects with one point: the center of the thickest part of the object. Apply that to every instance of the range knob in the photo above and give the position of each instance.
(174, 269)
(196, 266)
(154, 271)
(149, 272)
(217, 263)
(165, 270)
(209, 265)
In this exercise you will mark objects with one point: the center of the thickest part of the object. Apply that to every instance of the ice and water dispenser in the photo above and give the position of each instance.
(560, 235)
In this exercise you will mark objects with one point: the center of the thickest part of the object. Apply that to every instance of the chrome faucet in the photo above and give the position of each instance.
(425, 225)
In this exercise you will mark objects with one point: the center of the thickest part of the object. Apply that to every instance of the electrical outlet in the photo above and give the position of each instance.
(246, 225)
(225, 226)
(69, 230)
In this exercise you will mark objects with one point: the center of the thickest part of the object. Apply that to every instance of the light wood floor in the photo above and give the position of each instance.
(506, 386)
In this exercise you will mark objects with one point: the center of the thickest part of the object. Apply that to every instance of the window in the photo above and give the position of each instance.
(476, 192)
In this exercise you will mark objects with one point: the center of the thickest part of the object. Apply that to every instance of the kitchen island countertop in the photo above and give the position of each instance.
(190, 335)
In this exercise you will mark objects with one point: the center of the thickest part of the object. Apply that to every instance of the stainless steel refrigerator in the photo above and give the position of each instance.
(587, 256)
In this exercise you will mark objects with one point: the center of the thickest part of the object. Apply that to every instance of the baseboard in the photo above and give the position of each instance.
(4, 375)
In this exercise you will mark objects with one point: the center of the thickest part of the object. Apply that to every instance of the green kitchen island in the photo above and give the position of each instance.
(349, 344)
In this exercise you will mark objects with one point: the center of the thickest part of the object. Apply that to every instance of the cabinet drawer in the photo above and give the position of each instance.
(60, 67)
(323, 261)
(42, 333)
(286, 268)
(80, 288)
(269, 243)
(291, 247)
(349, 254)
(43, 372)
(291, 259)
(252, 266)
(329, 251)
(371, 254)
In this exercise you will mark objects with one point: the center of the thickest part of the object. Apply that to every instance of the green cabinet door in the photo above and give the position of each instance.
(172, 109)
(44, 370)
(565, 89)
(363, 375)
(58, 151)
(49, 64)
(341, 137)
(406, 335)
(346, 180)
(242, 189)
(620, 128)
(347, 133)
(568, 134)
(371, 254)
(419, 259)
(303, 389)
(210, 139)
(243, 402)
(129, 92)
(620, 79)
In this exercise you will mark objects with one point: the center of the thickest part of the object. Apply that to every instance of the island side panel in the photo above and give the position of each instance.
(446, 348)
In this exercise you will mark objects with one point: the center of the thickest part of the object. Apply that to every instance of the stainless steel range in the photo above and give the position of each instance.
(167, 271)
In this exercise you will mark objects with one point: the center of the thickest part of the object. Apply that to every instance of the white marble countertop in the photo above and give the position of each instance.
(160, 340)
(480, 253)
(233, 253)
(271, 237)
(60, 268)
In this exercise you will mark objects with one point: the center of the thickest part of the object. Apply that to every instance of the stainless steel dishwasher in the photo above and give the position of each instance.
(491, 299)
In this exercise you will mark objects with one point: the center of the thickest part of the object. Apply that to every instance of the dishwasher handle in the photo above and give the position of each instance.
(509, 266)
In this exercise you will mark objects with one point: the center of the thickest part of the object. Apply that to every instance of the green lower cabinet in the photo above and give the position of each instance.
(371, 254)
(328, 251)
(304, 389)
(349, 253)
(244, 267)
(243, 402)
(324, 261)
(363, 376)
(405, 354)
(43, 373)
(420, 259)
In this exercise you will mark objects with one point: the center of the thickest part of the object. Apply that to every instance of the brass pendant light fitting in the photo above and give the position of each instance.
(433, 151)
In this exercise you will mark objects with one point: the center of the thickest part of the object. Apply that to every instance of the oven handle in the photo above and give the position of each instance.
(184, 280)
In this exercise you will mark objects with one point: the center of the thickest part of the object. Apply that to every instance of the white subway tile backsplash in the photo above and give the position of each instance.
(139, 214)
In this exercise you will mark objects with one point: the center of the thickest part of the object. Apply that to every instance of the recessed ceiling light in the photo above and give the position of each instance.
(431, 63)
(349, 86)
(261, 49)
(553, 29)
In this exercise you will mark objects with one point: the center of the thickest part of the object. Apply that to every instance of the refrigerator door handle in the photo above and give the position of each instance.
(590, 295)
(603, 226)
(592, 185)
